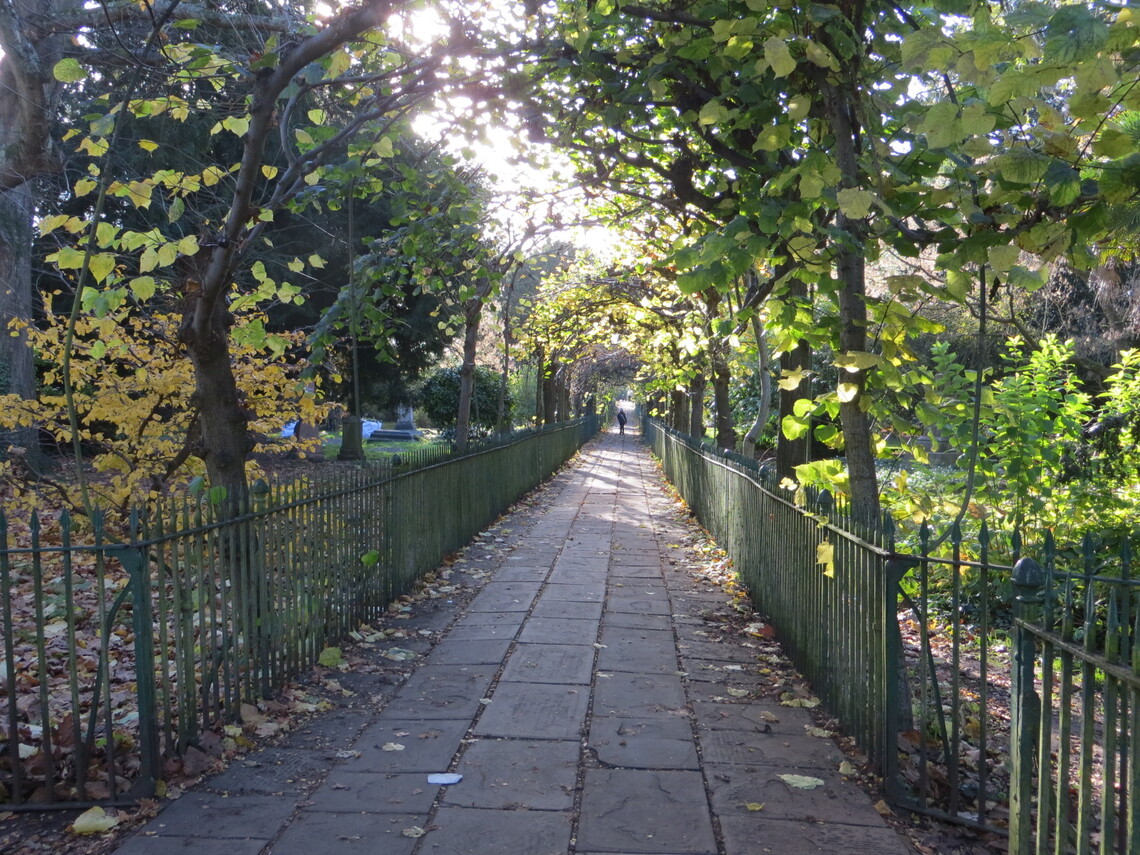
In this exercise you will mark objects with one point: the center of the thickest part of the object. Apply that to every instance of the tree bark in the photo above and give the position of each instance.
(472, 315)
(29, 96)
(502, 422)
(697, 387)
(679, 410)
(849, 268)
(722, 379)
(790, 453)
(550, 393)
(764, 374)
(539, 398)
(17, 362)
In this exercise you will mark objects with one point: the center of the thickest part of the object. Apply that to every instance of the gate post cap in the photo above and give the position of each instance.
(1027, 573)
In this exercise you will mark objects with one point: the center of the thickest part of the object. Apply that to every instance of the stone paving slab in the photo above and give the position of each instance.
(333, 731)
(467, 651)
(318, 832)
(142, 844)
(733, 786)
(638, 603)
(639, 695)
(273, 772)
(213, 815)
(517, 774)
(500, 619)
(630, 620)
(753, 748)
(428, 746)
(645, 812)
(472, 831)
(442, 691)
(565, 663)
(567, 609)
(535, 710)
(368, 792)
(642, 651)
(636, 743)
(559, 631)
(505, 597)
(575, 592)
(482, 631)
(753, 833)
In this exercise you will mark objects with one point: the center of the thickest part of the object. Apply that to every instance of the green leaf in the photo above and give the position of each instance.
(855, 202)
(779, 57)
(370, 559)
(177, 209)
(713, 113)
(1063, 183)
(331, 657)
(102, 265)
(69, 258)
(68, 70)
(1002, 258)
(1022, 165)
(236, 124)
(143, 287)
(857, 360)
(93, 821)
(1073, 34)
(793, 428)
(801, 782)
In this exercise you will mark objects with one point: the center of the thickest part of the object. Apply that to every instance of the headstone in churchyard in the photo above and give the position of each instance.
(404, 420)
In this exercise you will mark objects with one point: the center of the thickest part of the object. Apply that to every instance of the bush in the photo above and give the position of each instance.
(439, 399)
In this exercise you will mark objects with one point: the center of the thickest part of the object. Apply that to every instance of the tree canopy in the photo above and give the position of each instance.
(797, 184)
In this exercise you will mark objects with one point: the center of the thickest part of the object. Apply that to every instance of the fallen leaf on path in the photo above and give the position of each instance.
(414, 831)
(391, 746)
(93, 821)
(754, 805)
(801, 782)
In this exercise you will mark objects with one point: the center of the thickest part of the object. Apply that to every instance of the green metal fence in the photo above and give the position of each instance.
(932, 664)
(120, 654)
(832, 618)
(1076, 707)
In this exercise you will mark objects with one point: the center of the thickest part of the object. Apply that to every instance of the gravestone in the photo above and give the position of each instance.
(404, 418)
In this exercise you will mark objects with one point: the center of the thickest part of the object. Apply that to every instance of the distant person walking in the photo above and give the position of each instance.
(621, 421)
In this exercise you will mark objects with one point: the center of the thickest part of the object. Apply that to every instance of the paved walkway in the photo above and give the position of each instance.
(580, 698)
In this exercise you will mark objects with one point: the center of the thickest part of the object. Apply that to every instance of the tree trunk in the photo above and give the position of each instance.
(790, 453)
(697, 387)
(472, 315)
(679, 410)
(17, 362)
(502, 421)
(29, 95)
(550, 393)
(223, 418)
(564, 394)
(539, 373)
(764, 411)
(722, 379)
(849, 268)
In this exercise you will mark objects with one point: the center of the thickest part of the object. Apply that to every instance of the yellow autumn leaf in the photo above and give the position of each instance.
(825, 555)
(93, 821)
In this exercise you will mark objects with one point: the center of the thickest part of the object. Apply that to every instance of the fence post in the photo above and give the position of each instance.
(894, 678)
(1025, 709)
(134, 561)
